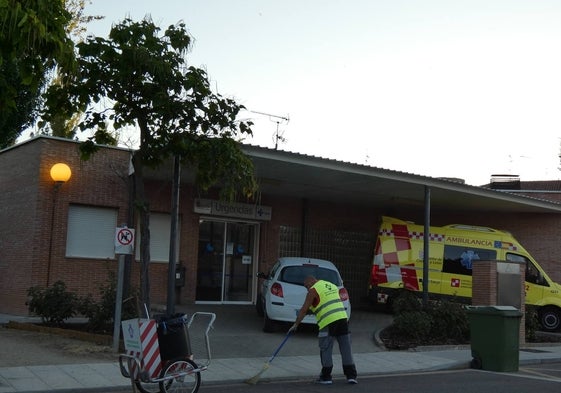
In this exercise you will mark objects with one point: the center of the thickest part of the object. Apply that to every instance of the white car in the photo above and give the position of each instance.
(283, 291)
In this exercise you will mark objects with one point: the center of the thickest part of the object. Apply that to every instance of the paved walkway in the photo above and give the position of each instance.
(100, 376)
(106, 375)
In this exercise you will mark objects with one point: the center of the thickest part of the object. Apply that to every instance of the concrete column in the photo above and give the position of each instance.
(485, 288)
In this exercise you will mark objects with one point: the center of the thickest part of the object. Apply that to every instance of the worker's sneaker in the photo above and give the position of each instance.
(352, 381)
(324, 381)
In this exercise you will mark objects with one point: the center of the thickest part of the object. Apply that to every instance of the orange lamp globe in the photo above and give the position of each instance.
(60, 173)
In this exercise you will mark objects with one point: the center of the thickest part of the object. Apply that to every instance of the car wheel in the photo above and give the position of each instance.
(259, 306)
(268, 324)
(550, 318)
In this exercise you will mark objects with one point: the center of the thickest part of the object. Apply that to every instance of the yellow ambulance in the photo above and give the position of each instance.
(398, 263)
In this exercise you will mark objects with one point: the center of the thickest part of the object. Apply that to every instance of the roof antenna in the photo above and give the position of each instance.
(278, 119)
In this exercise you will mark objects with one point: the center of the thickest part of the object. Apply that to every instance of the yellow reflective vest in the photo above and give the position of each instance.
(330, 307)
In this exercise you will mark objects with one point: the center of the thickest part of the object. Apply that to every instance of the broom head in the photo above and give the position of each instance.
(253, 380)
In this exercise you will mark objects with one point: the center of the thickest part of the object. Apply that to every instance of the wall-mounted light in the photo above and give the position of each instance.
(60, 173)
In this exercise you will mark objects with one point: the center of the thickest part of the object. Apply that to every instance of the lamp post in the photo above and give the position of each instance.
(60, 173)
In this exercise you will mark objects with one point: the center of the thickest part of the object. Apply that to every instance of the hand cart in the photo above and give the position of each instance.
(149, 371)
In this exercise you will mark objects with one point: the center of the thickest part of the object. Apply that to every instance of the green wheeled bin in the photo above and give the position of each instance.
(494, 339)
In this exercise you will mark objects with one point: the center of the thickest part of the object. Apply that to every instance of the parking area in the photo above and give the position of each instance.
(238, 332)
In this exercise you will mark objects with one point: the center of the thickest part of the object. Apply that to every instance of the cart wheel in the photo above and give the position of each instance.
(180, 378)
(146, 387)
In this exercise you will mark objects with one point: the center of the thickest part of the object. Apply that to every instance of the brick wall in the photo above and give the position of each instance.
(26, 219)
(34, 216)
(22, 217)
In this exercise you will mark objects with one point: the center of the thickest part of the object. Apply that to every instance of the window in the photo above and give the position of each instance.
(459, 260)
(160, 225)
(91, 232)
(297, 274)
(533, 275)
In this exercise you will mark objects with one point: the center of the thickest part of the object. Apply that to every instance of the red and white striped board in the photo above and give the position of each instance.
(141, 341)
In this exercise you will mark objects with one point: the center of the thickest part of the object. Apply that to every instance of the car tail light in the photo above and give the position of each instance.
(343, 294)
(276, 289)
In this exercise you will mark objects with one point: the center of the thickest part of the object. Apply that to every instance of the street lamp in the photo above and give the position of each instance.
(60, 173)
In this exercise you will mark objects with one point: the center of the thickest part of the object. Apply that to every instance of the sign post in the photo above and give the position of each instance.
(124, 244)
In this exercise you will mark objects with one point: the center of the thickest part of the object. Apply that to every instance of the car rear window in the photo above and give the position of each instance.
(297, 274)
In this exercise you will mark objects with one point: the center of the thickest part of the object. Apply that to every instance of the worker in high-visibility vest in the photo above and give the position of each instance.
(323, 300)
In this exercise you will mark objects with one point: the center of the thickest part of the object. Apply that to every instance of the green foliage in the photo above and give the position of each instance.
(413, 325)
(440, 322)
(25, 100)
(33, 41)
(450, 323)
(101, 314)
(54, 304)
(406, 300)
(532, 322)
(140, 77)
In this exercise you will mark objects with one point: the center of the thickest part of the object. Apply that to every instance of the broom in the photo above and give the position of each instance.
(253, 380)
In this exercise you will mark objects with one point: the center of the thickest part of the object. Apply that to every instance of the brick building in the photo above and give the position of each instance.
(306, 206)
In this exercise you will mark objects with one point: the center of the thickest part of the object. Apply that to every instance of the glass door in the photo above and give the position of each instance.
(238, 277)
(211, 260)
(226, 258)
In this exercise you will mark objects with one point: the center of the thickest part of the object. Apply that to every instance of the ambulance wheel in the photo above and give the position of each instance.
(476, 363)
(550, 318)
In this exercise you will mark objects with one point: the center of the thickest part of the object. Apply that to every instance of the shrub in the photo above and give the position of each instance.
(413, 325)
(440, 322)
(531, 323)
(406, 300)
(450, 323)
(101, 314)
(54, 304)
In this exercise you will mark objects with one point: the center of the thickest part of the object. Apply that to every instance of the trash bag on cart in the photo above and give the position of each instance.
(173, 336)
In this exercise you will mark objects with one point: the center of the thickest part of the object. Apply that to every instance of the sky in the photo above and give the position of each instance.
(461, 89)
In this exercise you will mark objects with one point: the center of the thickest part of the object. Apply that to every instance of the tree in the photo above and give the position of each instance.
(21, 110)
(140, 77)
(61, 126)
(33, 41)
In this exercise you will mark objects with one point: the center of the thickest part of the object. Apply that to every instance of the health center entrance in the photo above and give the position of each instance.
(226, 258)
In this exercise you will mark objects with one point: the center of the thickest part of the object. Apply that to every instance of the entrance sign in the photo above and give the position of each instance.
(231, 209)
(124, 240)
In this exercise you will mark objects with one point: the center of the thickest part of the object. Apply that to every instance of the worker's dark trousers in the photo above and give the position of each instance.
(326, 354)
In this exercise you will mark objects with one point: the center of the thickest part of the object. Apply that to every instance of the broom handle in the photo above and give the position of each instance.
(279, 348)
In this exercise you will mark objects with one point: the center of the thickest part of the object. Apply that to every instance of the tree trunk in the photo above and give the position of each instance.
(143, 208)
